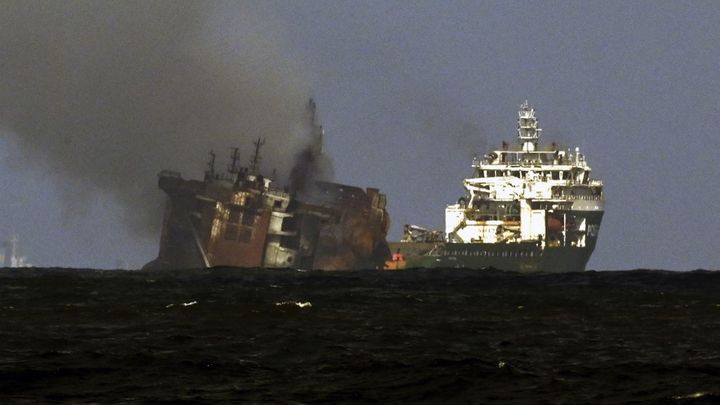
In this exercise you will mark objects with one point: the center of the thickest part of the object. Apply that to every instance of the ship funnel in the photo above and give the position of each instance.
(528, 130)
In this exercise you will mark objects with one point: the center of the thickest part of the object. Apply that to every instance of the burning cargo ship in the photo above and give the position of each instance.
(240, 218)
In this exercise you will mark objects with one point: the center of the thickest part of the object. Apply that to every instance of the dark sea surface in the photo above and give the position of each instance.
(430, 336)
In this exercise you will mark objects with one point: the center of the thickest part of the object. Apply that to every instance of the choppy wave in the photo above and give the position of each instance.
(366, 336)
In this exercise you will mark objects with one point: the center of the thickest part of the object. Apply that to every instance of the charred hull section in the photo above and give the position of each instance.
(240, 218)
(248, 223)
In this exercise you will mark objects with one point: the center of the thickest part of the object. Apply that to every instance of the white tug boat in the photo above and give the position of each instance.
(528, 208)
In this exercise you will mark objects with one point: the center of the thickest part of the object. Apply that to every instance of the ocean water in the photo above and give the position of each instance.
(418, 336)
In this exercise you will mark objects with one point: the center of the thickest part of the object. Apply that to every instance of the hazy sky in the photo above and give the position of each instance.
(407, 93)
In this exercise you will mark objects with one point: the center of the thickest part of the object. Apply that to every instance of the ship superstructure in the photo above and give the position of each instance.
(528, 207)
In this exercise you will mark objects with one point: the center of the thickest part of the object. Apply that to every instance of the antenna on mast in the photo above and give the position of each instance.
(256, 158)
(234, 158)
(317, 131)
(211, 165)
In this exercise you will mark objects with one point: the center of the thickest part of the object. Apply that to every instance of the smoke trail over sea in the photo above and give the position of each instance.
(102, 95)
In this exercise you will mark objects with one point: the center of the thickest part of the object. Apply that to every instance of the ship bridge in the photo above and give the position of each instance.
(519, 192)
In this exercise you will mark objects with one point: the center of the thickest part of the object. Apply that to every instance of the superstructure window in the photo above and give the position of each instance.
(289, 224)
(290, 242)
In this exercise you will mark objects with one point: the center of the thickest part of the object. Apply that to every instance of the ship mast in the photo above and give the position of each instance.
(528, 130)
(256, 158)
(211, 165)
(234, 158)
(317, 130)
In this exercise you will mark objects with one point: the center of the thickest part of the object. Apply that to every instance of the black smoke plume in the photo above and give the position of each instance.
(311, 163)
(104, 94)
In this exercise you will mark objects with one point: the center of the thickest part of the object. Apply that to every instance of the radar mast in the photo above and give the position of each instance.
(528, 130)
(256, 158)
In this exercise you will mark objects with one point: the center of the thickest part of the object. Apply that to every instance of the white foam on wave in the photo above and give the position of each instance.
(306, 304)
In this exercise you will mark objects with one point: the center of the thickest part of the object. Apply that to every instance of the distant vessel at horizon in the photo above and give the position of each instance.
(11, 257)
(528, 208)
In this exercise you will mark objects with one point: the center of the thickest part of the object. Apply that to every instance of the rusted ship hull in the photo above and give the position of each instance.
(247, 224)
(240, 218)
